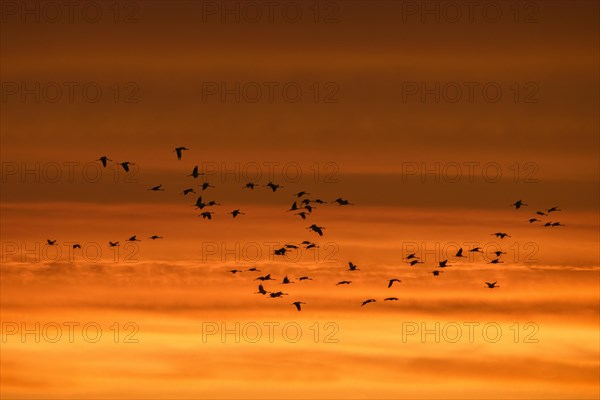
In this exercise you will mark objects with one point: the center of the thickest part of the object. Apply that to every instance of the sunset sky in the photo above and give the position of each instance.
(431, 118)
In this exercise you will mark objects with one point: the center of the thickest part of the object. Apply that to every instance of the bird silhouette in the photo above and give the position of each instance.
(206, 214)
(501, 235)
(280, 252)
(195, 173)
(212, 203)
(476, 250)
(104, 160)
(51, 242)
(206, 185)
(188, 191)
(498, 253)
(532, 220)
(277, 294)
(265, 278)
(491, 285)
(300, 194)
(342, 202)
(309, 208)
(557, 224)
(343, 283)
(302, 214)
(518, 204)
(273, 186)
(236, 212)
(391, 282)
(234, 271)
(390, 299)
(76, 246)
(304, 278)
(297, 304)
(154, 237)
(113, 244)
(443, 264)
(253, 269)
(294, 207)
(261, 290)
(157, 188)
(415, 262)
(249, 185)
(352, 267)
(553, 209)
(459, 253)
(179, 151)
(311, 246)
(368, 301)
(126, 165)
(316, 228)
(436, 273)
(495, 261)
(290, 246)
(133, 239)
(411, 256)
(286, 281)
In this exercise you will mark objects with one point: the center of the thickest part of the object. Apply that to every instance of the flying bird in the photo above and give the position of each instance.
(543, 214)
(495, 261)
(188, 191)
(391, 282)
(253, 269)
(410, 256)
(532, 220)
(154, 237)
(300, 194)
(343, 283)
(104, 160)
(234, 271)
(179, 151)
(557, 224)
(286, 281)
(498, 253)
(195, 173)
(297, 304)
(436, 273)
(368, 301)
(501, 235)
(261, 290)
(277, 294)
(113, 244)
(518, 204)
(316, 228)
(302, 214)
(476, 250)
(352, 267)
(157, 188)
(236, 212)
(76, 246)
(206, 214)
(249, 185)
(265, 278)
(133, 239)
(390, 299)
(553, 209)
(51, 242)
(443, 264)
(342, 202)
(273, 186)
(414, 262)
(206, 185)
(304, 278)
(126, 165)
(491, 285)
(459, 253)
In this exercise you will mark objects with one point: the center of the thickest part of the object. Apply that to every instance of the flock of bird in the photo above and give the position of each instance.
(302, 206)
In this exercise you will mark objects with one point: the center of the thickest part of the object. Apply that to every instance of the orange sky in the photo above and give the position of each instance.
(425, 177)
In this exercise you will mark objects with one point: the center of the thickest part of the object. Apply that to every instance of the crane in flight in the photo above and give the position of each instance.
(179, 151)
